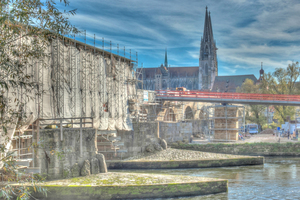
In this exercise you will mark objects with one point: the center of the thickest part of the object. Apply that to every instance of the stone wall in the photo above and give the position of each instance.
(253, 149)
(179, 164)
(57, 156)
(177, 131)
(135, 141)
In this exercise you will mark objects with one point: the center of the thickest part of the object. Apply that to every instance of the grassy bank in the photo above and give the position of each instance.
(119, 185)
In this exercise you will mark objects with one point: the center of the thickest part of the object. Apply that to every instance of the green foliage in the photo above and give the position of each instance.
(254, 113)
(27, 27)
(282, 81)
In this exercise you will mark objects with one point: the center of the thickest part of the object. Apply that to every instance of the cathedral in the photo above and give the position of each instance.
(203, 77)
(193, 78)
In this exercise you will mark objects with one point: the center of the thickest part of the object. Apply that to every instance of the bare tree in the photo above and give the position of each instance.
(26, 27)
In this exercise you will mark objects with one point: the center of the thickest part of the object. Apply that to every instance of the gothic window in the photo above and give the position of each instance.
(174, 83)
(190, 85)
(206, 53)
(164, 85)
(189, 113)
(195, 85)
(152, 85)
(206, 70)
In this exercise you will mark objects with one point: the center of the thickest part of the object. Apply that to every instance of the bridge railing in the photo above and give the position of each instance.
(223, 95)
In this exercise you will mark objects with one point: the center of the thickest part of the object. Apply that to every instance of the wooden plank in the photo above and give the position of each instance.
(119, 143)
(104, 143)
(114, 138)
(122, 151)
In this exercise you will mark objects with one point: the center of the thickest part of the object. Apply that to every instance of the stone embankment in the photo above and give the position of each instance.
(181, 159)
(251, 149)
(131, 186)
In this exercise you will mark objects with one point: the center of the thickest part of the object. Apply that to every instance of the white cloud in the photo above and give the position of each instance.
(230, 70)
(247, 32)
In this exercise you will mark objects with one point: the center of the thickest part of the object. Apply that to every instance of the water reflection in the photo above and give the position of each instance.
(279, 178)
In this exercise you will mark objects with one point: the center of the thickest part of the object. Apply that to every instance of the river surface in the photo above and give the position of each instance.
(278, 178)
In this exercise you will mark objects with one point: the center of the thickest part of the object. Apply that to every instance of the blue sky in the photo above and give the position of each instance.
(246, 32)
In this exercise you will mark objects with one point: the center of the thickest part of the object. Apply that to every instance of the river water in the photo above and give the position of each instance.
(278, 178)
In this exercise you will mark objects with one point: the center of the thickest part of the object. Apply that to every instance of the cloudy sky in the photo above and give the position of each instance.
(246, 32)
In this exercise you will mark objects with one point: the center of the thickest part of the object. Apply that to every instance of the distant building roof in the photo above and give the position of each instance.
(183, 71)
(174, 71)
(230, 83)
(149, 72)
(158, 71)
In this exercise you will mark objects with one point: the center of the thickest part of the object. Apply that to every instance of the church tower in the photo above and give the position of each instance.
(166, 59)
(208, 63)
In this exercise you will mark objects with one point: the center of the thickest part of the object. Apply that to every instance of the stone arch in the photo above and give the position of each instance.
(189, 114)
(170, 115)
(196, 115)
(202, 114)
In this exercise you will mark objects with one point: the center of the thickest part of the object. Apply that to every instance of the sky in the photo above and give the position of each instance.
(247, 32)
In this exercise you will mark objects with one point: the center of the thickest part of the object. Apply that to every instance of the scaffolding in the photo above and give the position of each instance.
(83, 82)
(225, 122)
(207, 122)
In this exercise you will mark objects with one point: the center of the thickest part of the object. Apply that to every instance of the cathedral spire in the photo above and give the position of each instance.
(207, 32)
(208, 63)
(166, 58)
(210, 27)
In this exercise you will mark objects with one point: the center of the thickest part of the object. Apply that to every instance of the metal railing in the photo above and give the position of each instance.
(18, 148)
(221, 95)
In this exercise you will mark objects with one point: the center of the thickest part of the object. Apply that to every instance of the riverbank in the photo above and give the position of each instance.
(183, 159)
(278, 178)
(250, 149)
(117, 185)
(185, 164)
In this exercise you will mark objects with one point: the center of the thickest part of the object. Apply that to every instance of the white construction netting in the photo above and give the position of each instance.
(75, 83)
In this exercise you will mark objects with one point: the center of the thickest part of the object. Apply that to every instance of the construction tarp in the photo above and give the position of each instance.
(75, 83)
